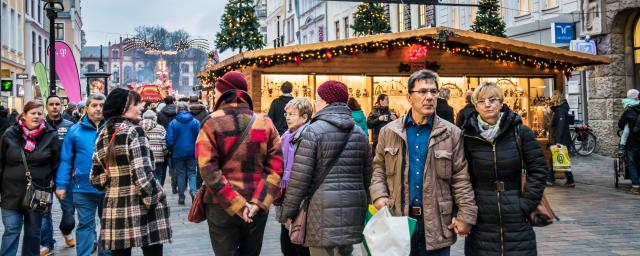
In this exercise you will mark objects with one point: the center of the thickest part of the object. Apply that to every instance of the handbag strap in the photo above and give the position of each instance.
(27, 172)
(235, 147)
(523, 176)
(330, 165)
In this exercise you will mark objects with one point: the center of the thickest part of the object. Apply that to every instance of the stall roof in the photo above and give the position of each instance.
(472, 39)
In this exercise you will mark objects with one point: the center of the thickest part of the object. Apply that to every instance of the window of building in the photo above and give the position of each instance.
(550, 3)
(115, 53)
(45, 60)
(400, 18)
(636, 53)
(59, 28)
(337, 30)
(422, 15)
(33, 47)
(455, 15)
(290, 5)
(14, 31)
(346, 27)
(184, 67)
(91, 67)
(20, 33)
(524, 7)
(39, 48)
(39, 11)
(186, 81)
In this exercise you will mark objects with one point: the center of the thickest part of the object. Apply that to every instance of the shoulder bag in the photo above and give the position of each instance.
(298, 229)
(36, 199)
(542, 215)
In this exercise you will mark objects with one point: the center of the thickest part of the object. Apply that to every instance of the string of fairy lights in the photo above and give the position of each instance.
(502, 56)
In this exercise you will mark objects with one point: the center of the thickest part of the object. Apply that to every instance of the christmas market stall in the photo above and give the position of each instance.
(381, 64)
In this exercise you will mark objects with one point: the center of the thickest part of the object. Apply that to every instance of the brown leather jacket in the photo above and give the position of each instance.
(446, 179)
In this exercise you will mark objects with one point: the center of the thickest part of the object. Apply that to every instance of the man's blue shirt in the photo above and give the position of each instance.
(418, 142)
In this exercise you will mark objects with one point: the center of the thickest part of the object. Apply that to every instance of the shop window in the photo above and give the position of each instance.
(270, 88)
(636, 51)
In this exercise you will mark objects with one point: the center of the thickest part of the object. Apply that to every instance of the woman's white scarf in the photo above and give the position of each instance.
(487, 131)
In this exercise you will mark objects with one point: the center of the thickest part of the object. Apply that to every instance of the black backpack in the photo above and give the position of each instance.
(634, 126)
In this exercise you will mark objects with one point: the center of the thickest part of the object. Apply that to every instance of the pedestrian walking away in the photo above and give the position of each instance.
(241, 181)
(559, 133)
(499, 147)
(358, 116)
(628, 122)
(276, 109)
(68, 220)
(331, 173)
(298, 113)
(31, 144)
(165, 116)
(443, 109)
(123, 170)
(158, 142)
(181, 142)
(465, 112)
(74, 169)
(440, 196)
(4, 120)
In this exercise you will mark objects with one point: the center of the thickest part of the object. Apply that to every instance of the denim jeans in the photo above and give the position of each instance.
(67, 221)
(13, 221)
(161, 172)
(632, 162)
(87, 204)
(186, 169)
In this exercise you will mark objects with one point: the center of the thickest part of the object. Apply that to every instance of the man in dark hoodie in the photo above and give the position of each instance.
(4, 120)
(181, 141)
(71, 113)
(465, 112)
(276, 111)
(197, 109)
(165, 116)
(13, 117)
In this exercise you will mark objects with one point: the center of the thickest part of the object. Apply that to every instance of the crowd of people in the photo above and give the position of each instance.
(454, 179)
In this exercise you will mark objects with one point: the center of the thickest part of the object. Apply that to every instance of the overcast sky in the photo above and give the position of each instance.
(105, 21)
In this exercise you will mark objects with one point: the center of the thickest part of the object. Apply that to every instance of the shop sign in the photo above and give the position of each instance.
(22, 76)
(573, 87)
(583, 46)
(6, 85)
(562, 33)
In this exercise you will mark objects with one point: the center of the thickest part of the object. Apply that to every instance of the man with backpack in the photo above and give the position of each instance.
(632, 146)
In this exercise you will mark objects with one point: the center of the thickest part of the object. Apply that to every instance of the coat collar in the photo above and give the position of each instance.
(439, 128)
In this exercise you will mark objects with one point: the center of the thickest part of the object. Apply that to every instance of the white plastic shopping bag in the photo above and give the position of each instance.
(388, 235)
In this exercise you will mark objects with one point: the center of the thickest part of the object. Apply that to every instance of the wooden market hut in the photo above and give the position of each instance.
(378, 64)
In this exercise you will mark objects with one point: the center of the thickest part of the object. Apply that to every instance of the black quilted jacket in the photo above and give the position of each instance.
(502, 228)
(337, 208)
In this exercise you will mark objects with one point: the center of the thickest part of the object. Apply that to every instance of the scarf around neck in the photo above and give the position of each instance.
(487, 131)
(30, 135)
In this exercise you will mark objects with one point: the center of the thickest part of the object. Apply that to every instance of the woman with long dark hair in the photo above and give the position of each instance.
(35, 140)
(135, 212)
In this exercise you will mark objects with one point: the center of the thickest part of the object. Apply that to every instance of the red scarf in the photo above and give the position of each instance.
(30, 135)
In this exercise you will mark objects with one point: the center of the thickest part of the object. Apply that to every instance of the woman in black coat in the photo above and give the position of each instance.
(380, 116)
(39, 141)
(559, 133)
(497, 146)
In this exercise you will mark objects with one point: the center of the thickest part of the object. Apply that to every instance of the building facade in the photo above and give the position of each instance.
(37, 43)
(13, 55)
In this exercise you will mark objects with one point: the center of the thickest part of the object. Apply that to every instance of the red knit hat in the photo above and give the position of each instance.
(333, 91)
(231, 80)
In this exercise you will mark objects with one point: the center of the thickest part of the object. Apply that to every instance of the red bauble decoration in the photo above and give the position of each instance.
(328, 55)
(298, 59)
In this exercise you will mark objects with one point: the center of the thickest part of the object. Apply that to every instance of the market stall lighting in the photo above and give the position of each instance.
(455, 48)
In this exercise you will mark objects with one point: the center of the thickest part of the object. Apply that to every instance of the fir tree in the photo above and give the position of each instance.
(488, 20)
(370, 19)
(239, 28)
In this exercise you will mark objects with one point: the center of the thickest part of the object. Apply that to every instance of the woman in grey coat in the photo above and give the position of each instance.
(336, 211)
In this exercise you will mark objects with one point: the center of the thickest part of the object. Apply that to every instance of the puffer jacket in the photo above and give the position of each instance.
(445, 171)
(337, 208)
(166, 115)
(198, 111)
(502, 227)
(77, 148)
(181, 136)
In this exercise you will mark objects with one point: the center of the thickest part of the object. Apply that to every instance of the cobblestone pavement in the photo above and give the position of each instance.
(596, 219)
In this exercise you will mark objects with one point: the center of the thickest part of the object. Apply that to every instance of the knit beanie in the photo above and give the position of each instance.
(231, 80)
(333, 91)
(115, 103)
(150, 114)
(633, 94)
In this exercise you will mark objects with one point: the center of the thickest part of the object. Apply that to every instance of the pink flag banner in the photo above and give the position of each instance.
(67, 71)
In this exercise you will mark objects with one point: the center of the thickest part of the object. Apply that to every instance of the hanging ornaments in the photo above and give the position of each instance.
(328, 55)
(298, 60)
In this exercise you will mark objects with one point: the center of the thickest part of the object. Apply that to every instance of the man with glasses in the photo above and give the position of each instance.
(425, 153)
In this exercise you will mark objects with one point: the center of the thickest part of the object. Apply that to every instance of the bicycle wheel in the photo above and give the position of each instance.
(587, 146)
(576, 142)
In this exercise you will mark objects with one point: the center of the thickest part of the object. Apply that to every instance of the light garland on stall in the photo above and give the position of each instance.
(501, 56)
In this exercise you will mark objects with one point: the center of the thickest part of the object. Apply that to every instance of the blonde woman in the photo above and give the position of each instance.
(495, 132)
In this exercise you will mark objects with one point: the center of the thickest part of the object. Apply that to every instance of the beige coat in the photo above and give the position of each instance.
(446, 179)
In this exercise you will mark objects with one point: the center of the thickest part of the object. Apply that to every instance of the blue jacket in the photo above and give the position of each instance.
(181, 136)
(76, 157)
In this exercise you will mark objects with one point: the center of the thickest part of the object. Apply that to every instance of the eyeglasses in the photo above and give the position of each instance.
(423, 92)
(491, 101)
(292, 115)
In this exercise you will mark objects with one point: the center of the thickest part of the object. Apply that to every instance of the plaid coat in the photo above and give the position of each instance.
(135, 211)
(253, 172)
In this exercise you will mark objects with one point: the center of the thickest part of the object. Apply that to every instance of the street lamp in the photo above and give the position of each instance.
(53, 7)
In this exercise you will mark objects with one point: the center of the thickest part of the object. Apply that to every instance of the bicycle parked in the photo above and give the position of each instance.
(583, 138)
